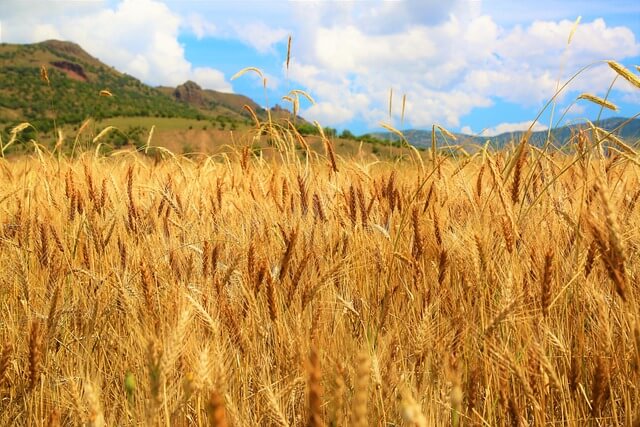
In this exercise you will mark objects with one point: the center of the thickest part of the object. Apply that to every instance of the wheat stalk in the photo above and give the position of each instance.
(361, 391)
(315, 391)
(625, 73)
(35, 354)
(600, 101)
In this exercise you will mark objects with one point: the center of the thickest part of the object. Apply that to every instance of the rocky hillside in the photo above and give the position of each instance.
(215, 104)
(70, 92)
(73, 90)
(211, 102)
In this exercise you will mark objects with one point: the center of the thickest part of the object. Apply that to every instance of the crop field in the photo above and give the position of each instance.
(498, 288)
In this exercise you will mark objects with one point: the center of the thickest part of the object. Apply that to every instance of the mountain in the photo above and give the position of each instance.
(76, 81)
(73, 93)
(629, 131)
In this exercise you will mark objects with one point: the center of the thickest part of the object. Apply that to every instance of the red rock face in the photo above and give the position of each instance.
(75, 71)
(190, 93)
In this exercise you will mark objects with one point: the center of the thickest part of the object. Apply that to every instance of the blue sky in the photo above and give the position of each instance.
(469, 65)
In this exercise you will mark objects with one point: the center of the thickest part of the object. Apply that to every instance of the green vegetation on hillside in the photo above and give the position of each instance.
(73, 93)
(70, 92)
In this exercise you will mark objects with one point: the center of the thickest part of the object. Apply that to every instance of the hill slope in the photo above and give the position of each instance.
(217, 104)
(210, 102)
(76, 79)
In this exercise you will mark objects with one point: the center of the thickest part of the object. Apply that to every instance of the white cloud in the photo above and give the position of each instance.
(632, 97)
(451, 66)
(327, 112)
(260, 36)
(466, 130)
(376, 18)
(45, 32)
(349, 63)
(543, 45)
(209, 78)
(348, 49)
(527, 87)
(512, 127)
(574, 109)
(199, 26)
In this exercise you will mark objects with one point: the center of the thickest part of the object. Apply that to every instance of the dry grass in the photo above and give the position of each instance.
(240, 291)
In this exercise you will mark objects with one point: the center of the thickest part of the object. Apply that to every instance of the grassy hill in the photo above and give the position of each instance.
(76, 79)
(73, 92)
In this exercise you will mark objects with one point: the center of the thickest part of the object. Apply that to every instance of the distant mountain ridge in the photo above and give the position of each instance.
(627, 129)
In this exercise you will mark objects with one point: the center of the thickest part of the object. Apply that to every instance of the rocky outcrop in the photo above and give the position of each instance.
(73, 70)
(190, 93)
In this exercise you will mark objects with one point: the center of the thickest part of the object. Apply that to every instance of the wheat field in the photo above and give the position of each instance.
(494, 289)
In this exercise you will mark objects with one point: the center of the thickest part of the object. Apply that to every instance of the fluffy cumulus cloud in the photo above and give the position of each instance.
(210, 78)
(199, 26)
(139, 37)
(328, 112)
(259, 35)
(452, 66)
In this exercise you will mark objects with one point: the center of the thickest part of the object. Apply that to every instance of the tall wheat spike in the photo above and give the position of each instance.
(160, 289)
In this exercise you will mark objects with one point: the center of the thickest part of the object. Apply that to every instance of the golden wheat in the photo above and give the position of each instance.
(242, 291)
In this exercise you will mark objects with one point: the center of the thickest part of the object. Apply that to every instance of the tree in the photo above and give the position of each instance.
(330, 132)
(307, 129)
(346, 134)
